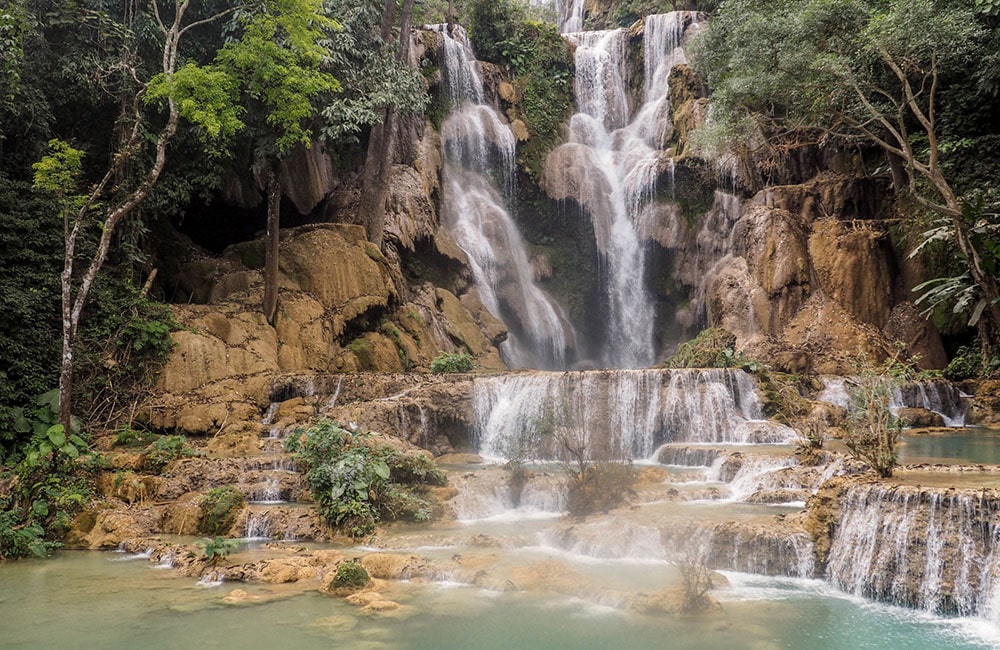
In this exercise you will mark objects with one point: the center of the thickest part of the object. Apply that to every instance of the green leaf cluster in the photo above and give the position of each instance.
(350, 575)
(165, 450)
(219, 510)
(217, 549)
(278, 61)
(357, 482)
(47, 487)
(448, 362)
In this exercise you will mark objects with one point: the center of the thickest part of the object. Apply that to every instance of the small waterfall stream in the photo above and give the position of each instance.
(478, 150)
(619, 413)
(938, 396)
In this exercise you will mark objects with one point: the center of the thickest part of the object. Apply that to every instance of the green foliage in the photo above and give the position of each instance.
(871, 429)
(350, 575)
(542, 67)
(970, 363)
(124, 339)
(31, 241)
(165, 450)
(494, 29)
(219, 510)
(712, 348)
(217, 549)
(206, 97)
(277, 61)
(357, 482)
(959, 291)
(59, 171)
(47, 487)
(447, 362)
(13, 26)
(988, 7)
(372, 79)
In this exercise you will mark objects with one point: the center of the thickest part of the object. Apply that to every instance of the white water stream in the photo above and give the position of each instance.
(478, 148)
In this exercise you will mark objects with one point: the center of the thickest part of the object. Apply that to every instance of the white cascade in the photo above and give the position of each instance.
(617, 413)
(616, 164)
(941, 397)
(476, 143)
(933, 550)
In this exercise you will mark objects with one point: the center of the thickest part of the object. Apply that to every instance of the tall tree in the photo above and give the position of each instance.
(190, 90)
(381, 143)
(862, 71)
(278, 61)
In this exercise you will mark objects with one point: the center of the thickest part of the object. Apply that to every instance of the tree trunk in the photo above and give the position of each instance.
(271, 247)
(66, 365)
(72, 306)
(451, 17)
(381, 143)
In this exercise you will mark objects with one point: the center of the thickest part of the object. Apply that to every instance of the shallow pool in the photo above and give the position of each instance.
(111, 601)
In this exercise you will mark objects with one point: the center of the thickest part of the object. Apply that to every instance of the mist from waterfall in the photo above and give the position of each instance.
(479, 176)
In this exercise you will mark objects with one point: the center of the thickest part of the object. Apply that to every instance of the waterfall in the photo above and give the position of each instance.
(477, 144)
(938, 396)
(570, 14)
(941, 397)
(617, 413)
(727, 546)
(613, 164)
(934, 550)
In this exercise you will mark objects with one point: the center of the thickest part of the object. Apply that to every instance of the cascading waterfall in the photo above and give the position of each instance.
(938, 396)
(941, 397)
(616, 164)
(477, 143)
(570, 13)
(934, 550)
(618, 413)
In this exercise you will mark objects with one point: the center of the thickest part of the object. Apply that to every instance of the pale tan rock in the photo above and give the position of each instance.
(459, 324)
(851, 266)
(507, 92)
(392, 566)
(520, 130)
(335, 264)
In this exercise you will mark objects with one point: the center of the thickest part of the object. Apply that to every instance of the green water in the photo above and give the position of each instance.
(973, 445)
(85, 600)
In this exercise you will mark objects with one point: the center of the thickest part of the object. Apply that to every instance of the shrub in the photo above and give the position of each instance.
(451, 362)
(871, 428)
(219, 509)
(43, 492)
(126, 436)
(967, 364)
(357, 482)
(704, 350)
(166, 449)
(217, 549)
(350, 575)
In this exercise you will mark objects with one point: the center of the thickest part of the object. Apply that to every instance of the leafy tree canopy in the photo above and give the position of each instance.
(917, 78)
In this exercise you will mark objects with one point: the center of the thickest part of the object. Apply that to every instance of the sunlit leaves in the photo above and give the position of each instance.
(59, 170)
(278, 61)
(205, 96)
